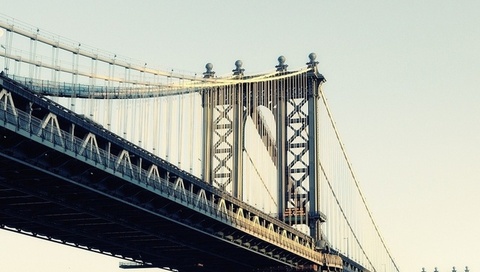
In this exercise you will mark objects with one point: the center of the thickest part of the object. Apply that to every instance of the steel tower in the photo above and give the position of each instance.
(292, 100)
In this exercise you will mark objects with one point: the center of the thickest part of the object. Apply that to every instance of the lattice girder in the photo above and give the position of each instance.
(290, 141)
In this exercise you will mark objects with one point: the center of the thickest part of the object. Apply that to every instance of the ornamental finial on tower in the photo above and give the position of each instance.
(312, 65)
(281, 67)
(238, 71)
(312, 62)
(209, 73)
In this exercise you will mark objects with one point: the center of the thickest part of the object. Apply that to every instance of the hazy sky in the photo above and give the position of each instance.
(403, 83)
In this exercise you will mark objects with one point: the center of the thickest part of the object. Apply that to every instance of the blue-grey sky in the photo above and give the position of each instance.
(403, 83)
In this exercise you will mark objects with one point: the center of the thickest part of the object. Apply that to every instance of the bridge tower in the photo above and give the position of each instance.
(292, 100)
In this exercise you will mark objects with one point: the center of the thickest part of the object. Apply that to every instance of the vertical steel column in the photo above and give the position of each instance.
(238, 139)
(314, 81)
(281, 105)
(314, 194)
(207, 109)
(223, 134)
(281, 151)
(207, 135)
(297, 146)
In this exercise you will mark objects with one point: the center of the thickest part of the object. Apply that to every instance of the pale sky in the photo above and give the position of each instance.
(403, 83)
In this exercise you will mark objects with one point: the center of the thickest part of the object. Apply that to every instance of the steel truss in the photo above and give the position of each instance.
(66, 179)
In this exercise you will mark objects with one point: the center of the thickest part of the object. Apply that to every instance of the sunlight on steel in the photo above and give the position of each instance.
(76, 48)
(274, 130)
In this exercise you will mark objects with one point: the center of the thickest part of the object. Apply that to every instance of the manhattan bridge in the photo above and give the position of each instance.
(182, 172)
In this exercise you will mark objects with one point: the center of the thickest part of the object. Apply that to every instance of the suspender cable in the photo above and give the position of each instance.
(355, 183)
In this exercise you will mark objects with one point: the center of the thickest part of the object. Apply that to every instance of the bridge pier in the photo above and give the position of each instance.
(297, 145)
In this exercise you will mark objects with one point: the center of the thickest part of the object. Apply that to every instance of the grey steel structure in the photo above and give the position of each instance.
(292, 100)
(68, 180)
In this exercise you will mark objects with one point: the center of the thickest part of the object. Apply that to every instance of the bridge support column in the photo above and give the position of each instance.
(207, 136)
(223, 135)
(238, 143)
(293, 101)
(313, 84)
(297, 145)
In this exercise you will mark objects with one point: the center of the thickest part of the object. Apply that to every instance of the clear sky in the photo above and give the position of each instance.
(403, 83)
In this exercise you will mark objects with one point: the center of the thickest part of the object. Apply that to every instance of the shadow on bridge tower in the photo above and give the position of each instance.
(291, 140)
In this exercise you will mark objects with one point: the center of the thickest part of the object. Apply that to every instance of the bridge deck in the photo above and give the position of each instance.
(55, 192)
(77, 211)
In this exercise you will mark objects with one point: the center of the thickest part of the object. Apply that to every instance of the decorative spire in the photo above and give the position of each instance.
(238, 71)
(209, 73)
(281, 67)
(312, 63)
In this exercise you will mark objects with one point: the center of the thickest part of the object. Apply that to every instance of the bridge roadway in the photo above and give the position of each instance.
(68, 180)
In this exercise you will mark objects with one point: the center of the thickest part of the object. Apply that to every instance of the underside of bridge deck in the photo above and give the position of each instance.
(47, 194)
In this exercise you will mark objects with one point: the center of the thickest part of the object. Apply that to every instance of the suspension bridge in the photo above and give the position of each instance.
(182, 172)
